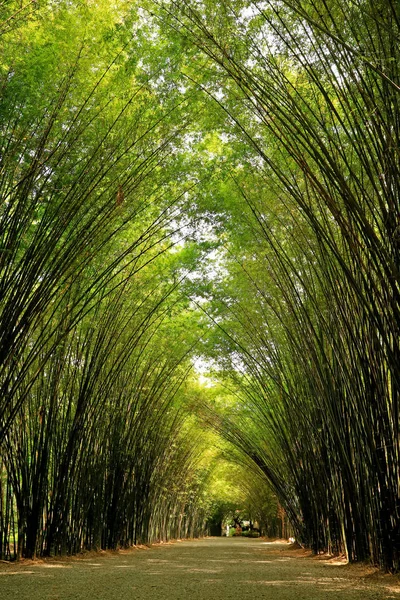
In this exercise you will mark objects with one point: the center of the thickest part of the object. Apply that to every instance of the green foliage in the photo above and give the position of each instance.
(186, 182)
(307, 318)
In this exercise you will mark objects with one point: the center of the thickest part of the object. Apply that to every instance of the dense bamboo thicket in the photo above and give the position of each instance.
(186, 178)
(94, 452)
(314, 89)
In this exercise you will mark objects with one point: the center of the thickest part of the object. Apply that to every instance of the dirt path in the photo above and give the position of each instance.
(215, 568)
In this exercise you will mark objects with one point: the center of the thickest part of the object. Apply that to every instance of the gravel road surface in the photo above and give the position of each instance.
(213, 568)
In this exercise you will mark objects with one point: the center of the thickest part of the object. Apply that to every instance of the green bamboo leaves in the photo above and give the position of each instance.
(133, 144)
(90, 373)
(314, 88)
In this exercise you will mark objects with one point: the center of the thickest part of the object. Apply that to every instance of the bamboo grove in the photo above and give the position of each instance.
(313, 335)
(182, 179)
(93, 450)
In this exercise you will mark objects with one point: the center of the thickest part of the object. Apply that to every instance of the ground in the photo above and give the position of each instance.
(213, 568)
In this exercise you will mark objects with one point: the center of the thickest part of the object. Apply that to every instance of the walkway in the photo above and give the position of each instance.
(216, 568)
